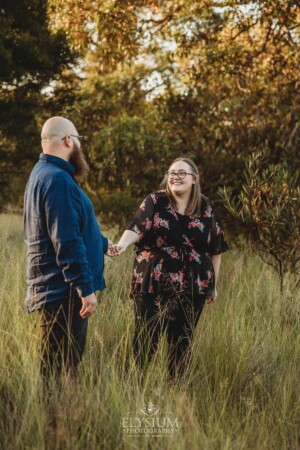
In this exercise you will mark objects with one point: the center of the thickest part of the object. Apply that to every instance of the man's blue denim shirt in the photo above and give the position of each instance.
(65, 247)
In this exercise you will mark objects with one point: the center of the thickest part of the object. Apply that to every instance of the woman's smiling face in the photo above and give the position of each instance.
(180, 178)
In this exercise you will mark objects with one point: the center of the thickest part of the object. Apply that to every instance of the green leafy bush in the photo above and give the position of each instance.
(269, 203)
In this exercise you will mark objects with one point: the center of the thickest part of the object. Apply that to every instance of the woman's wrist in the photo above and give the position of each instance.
(122, 247)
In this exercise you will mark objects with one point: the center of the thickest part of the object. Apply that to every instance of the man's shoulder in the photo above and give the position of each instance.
(49, 175)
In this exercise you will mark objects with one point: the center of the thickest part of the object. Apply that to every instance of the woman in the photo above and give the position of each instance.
(179, 241)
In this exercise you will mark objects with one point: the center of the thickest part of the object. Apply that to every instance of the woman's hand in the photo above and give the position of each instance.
(120, 248)
(116, 249)
(128, 238)
(213, 298)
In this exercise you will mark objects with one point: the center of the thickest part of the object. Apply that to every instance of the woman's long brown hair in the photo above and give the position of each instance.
(194, 205)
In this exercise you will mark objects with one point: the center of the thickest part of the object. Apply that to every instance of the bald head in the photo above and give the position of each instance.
(60, 138)
(57, 127)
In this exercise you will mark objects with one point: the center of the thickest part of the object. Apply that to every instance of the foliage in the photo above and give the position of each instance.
(270, 204)
(222, 79)
(31, 57)
(215, 81)
(132, 149)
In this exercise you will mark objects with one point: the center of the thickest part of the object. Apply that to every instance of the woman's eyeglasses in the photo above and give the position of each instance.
(181, 174)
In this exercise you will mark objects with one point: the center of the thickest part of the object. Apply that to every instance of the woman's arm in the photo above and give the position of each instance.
(216, 262)
(140, 226)
(128, 238)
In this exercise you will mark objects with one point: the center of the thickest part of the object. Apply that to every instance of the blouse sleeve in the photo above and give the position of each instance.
(142, 222)
(218, 242)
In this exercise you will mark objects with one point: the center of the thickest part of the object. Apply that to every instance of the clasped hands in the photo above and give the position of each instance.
(115, 249)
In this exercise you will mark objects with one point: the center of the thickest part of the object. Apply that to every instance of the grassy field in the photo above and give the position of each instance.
(241, 391)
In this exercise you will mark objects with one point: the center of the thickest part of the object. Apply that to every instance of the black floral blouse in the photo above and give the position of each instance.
(173, 254)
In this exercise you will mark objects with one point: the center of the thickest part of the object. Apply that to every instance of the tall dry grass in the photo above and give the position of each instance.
(241, 391)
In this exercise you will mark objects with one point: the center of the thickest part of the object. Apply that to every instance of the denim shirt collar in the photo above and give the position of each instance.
(58, 161)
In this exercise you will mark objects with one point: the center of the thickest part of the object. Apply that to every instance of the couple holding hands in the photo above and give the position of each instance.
(178, 239)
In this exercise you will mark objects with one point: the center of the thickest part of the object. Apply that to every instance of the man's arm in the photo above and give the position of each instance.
(63, 213)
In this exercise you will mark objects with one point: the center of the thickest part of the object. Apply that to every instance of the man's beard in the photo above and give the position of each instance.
(77, 159)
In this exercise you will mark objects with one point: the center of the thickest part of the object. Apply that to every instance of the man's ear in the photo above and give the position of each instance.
(68, 141)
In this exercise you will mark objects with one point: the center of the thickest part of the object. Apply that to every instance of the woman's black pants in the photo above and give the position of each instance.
(63, 336)
(177, 318)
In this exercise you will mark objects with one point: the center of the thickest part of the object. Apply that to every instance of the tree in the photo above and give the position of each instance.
(31, 57)
(227, 77)
(212, 80)
(270, 204)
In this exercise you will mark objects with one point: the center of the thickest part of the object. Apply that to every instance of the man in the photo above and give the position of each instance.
(65, 248)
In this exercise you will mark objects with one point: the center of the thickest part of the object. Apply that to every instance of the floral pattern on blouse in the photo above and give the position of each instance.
(174, 251)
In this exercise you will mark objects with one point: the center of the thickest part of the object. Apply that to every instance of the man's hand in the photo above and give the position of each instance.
(116, 249)
(111, 249)
(89, 305)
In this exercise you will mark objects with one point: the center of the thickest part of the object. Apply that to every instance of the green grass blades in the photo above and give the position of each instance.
(240, 392)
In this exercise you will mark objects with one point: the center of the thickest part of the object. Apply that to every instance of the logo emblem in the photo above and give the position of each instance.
(150, 420)
(149, 409)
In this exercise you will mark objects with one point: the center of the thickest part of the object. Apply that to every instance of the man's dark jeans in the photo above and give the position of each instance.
(63, 336)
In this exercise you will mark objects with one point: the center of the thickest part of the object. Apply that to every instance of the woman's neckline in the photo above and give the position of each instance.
(184, 215)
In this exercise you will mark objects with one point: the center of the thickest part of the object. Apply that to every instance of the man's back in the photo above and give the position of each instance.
(65, 247)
